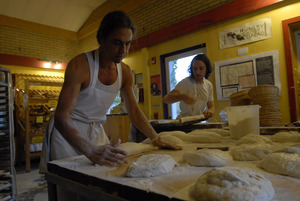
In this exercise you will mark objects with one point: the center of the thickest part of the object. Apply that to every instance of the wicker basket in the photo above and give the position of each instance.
(264, 90)
(240, 98)
(267, 97)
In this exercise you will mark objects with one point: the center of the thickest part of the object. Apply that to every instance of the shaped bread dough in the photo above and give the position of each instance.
(220, 131)
(294, 149)
(251, 152)
(151, 165)
(282, 163)
(133, 148)
(291, 136)
(207, 157)
(252, 139)
(170, 139)
(234, 184)
(195, 136)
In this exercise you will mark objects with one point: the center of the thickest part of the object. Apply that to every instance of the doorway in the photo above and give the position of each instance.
(290, 28)
(174, 68)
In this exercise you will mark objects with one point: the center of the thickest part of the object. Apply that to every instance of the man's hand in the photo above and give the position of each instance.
(108, 154)
(208, 113)
(161, 143)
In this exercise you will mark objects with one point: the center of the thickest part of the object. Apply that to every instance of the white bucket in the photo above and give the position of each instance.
(243, 120)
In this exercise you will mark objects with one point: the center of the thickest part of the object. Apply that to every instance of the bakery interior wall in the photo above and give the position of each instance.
(209, 35)
(47, 43)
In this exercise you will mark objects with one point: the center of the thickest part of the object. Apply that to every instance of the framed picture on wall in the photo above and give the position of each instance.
(155, 85)
(246, 72)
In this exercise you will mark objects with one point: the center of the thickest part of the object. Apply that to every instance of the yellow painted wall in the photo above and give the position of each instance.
(210, 37)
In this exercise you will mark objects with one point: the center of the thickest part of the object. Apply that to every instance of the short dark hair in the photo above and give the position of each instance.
(112, 21)
(202, 57)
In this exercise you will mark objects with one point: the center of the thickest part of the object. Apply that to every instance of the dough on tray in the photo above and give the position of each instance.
(282, 163)
(288, 136)
(133, 148)
(195, 136)
(232, 183)
(251, 152)
(151, 165)
(208, 157)
(253, 138)
(170, 139)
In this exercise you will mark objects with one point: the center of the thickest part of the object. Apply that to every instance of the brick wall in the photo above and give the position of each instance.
(157, 14)
(152, 16)
(31, 44)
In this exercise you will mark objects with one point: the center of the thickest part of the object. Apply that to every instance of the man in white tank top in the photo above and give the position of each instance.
(92, 81)
(195, 92)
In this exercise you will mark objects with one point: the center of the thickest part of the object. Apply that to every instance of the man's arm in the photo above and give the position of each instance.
(136, 116)
(77, 77)
(175, 96)
(209, 112)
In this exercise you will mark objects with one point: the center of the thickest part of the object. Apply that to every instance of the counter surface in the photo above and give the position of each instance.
(175, 185)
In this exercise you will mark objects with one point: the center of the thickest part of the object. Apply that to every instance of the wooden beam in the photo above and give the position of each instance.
(15, 60)
(289, 66)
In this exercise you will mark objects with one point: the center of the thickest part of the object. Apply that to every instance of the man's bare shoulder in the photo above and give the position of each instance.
(78, 61)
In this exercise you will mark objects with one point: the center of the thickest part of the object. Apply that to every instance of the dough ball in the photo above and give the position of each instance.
(291, 136)
(172, 140)
(169, 138)
(199, 136)
(207, 157)
(195, 136)
(234, 184)
(220, 131)
(294, 149)
(282, 163)
(133, 148)
(252, 139)
(251, 152)
(151, 165)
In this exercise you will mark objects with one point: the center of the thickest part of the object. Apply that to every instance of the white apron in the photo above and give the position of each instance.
(88, 115)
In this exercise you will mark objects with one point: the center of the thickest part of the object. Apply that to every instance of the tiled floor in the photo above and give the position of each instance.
(31, 186)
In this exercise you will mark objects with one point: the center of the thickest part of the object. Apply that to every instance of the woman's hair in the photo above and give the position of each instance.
(202, 57)
(112, 21)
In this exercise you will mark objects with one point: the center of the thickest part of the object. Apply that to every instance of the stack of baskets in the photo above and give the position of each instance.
(240, 98)
(267, 96)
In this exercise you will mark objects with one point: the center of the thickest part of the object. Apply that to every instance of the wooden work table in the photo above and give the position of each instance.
(77, 174)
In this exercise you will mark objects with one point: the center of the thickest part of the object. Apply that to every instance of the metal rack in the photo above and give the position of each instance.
(7, 171)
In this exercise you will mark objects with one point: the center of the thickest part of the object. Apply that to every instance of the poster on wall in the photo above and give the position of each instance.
(155, 85)
(243, 73)
(246, 33)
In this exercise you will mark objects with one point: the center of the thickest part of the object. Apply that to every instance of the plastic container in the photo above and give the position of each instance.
(243, 120)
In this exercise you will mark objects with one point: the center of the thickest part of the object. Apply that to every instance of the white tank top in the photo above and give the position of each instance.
(94, 101)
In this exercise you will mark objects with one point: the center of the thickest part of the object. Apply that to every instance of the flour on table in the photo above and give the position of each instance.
(253, 138)
(151, 165)
(252, 152)
(234, 184)
(282, 163)
(207, 157)
(291, 136)
(133, 148)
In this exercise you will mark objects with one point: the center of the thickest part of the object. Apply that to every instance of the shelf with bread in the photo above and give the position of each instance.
(36, 100)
